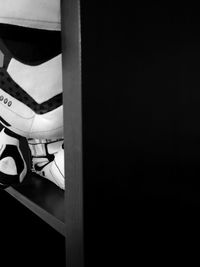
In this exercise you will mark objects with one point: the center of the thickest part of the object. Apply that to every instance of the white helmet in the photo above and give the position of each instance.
(38, 14)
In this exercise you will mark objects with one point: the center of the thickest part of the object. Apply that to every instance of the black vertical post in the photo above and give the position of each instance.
(71, 45)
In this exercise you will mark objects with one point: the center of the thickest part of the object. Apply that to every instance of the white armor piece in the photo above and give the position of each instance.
(48, 159)
(32, 107)
(37, 14)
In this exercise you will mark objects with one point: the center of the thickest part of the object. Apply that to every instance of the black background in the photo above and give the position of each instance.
(25, 240)
(141, 132)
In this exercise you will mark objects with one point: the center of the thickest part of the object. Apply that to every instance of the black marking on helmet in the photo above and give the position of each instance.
(4, 122)
(9, 86)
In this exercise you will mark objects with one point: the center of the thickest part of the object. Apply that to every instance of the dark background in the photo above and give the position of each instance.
(25, 240)
(141, 132)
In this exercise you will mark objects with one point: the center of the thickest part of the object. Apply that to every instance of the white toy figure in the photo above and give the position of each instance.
(31, 99)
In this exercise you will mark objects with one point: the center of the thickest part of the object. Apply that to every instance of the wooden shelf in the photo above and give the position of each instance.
(43, 198)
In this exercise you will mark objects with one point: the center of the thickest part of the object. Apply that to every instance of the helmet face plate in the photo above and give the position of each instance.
(30, 104)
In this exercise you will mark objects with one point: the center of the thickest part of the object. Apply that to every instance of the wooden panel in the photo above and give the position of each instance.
(73, 131)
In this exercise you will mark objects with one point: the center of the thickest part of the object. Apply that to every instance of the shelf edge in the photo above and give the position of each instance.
(41, 213)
